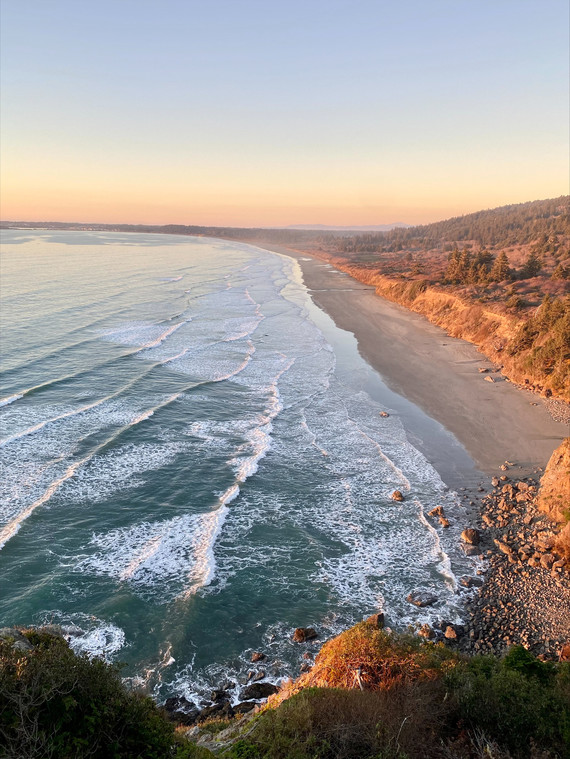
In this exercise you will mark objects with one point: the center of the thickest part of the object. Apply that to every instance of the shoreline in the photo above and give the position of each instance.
(494, 422)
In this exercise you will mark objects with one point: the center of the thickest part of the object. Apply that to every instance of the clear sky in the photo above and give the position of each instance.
(277, 112)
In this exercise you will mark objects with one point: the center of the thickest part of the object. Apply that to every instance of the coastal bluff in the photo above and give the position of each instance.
(554, 493)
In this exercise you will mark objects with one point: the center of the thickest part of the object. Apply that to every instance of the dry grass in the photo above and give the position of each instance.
(378, 659)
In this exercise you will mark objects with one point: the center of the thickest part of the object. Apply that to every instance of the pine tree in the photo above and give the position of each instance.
(532, 266)
(500, 269)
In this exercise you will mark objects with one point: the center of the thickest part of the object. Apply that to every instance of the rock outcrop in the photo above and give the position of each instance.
(554, 493)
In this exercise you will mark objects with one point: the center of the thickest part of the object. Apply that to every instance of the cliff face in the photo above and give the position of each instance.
(498, 335)
(554, 494)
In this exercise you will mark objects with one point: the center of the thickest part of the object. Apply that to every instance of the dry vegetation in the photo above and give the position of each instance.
(419, 700)
(500, 279)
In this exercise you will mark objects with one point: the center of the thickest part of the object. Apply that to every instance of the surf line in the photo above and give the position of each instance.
(12, 527)
(205, 565)
(75, 412)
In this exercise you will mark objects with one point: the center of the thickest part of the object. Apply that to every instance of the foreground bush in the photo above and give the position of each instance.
(421, 701)
(54, 704)
(380, 659)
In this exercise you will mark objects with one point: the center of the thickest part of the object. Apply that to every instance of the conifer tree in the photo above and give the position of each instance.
(500, 269)
(532, 266)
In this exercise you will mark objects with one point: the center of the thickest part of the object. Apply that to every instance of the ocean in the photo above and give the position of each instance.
(193, 463)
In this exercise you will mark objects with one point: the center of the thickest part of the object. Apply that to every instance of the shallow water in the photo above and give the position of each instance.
(194, 462)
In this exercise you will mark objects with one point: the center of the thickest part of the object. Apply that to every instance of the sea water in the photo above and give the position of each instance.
(192, 466)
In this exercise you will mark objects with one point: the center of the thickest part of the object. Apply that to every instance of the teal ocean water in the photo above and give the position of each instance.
(192, 465)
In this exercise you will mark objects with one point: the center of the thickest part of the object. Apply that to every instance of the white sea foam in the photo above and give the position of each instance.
(166, 558)
(10, 399)
(87, 634)
(26, 509)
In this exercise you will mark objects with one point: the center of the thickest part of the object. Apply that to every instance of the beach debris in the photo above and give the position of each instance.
(471, 535)
(421, 598)
(437, 511)
(377, 620)
(303, 634)
(257, 656)
(397, 495)
(384, 414)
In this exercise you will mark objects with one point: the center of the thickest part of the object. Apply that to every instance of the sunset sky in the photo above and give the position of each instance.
(262, 112)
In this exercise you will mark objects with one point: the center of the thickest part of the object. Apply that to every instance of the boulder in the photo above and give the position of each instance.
(437, 511)
(377, 620)
(257, 656)
(426, 632)
(421, 598)
(244, 707)
(258, 690)
(7, 633)
(503, 547)
(471, 536)
(221, 709)
(181, 710)
(220, 695)
(384, 414)
(397, 495)
(22, 645)
(547, 560)
(303, 634)
(444, 522)
(470, 582)
(450, 633)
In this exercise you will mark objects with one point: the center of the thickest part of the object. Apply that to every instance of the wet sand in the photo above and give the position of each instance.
(494, 421)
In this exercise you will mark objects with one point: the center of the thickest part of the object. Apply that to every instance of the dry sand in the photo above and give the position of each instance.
(495, 422)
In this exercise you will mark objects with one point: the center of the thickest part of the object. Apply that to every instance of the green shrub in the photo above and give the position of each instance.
(515, 701)
(333, 723)
(59, 705)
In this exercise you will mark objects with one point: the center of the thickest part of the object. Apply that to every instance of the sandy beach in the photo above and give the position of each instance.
(494, 421)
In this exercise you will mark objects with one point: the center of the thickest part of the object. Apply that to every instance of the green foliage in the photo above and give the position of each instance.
(56, 704)
(331, 723)
(532, 266)
(516, 701)
(462, 708)
(543, 342)
(500, 269)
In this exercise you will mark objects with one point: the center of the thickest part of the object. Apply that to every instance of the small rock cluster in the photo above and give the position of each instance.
(526, 595)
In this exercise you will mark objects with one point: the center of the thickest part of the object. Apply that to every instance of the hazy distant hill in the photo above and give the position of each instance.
(371, 228)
